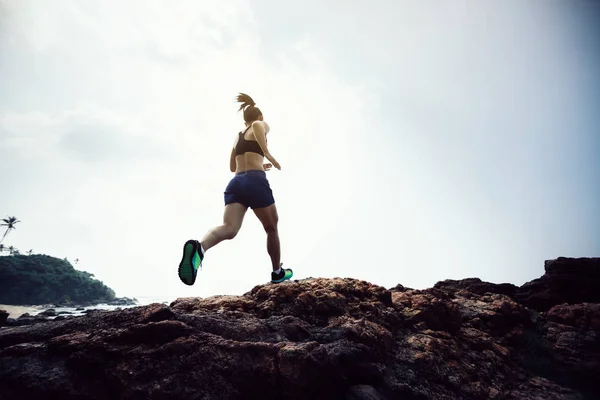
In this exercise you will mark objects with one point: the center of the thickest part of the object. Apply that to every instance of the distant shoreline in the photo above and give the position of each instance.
(15, 311)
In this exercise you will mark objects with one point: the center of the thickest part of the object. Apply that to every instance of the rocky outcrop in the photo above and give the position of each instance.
(27, 319)
(318, 339)
(567, 280)
(3, 317)
(50, 312)
(477, 286)
(123, 301)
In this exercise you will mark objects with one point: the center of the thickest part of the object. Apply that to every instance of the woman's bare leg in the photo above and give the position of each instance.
(269, 219)
(233, 217)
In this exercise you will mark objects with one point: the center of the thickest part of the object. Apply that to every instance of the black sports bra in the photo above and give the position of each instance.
(244, 146)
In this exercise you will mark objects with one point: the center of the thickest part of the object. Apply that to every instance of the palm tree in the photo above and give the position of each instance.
(76, 260)
(29, 252)
(11, 250)
(1, 247)
(10, 223)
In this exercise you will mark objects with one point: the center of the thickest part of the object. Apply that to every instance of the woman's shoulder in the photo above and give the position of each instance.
(262, 124)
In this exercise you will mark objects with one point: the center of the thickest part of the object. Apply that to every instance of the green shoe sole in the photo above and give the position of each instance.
(190, 261)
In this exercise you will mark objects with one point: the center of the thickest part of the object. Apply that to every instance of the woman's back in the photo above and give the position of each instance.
(249, 152)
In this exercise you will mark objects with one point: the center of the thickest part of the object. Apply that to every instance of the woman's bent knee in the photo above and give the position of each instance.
(229, 232)
(271, 228)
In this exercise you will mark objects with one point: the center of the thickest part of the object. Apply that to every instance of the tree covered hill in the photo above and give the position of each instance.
(41, 279)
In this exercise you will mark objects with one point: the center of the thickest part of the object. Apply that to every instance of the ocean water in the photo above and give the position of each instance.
(145, 300)
(142, 301)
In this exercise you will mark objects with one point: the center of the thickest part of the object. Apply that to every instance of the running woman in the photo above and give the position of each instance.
(248, 188)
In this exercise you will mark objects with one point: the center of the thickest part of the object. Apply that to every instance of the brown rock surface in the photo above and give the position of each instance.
(318, 339)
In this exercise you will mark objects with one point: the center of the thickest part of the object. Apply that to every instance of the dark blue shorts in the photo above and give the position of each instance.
(250, 188)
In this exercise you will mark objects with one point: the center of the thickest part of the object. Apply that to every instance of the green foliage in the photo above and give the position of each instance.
(10, 223)
(41, 279)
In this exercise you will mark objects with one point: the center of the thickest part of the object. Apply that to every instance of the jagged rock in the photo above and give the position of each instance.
(314, 339)
(3, 317)
(48, 313)
(582, 316)
(399, 288)
(477, 286)
(122, 301)
(567, 280)
(27, 319)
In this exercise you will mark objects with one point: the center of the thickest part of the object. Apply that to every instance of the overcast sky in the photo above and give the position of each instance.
(419, 141)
